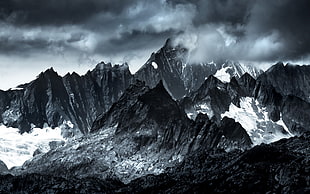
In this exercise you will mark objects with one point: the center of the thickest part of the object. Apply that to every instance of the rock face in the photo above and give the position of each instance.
(180, 77)
(3, 168)
(213, 98)
(57, 100)
(288, 80)
(144, 132)
(287, 98)
(53, 99)
(281, 167)
(166, 65)
(152, 114)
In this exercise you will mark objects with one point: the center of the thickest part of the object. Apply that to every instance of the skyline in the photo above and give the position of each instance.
(75, 35)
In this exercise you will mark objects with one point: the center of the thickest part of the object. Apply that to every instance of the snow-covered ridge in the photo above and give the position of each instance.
(230, 69)
(254, 119)
(16, 148)
(223, 75)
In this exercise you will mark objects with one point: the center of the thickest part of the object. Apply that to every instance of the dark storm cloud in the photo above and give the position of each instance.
(255, 30)
(56, 12)
(252, 30)
(126, 40)
(220, 11)
(93, 22)
(289, 19)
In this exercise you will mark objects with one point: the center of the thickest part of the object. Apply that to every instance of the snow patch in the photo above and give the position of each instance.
(154, 65)
(204, 108)
(16, 148)
(223, 75)
(254, 119)
(17, 88)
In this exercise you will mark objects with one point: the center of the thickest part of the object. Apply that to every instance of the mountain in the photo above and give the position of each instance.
(266, 114)
(57, 100)
(144, 132)
(288, 80)
(231, 69)
(285, 100)
(180, 77)
(281, 167)
(75, 101)
(171, 127)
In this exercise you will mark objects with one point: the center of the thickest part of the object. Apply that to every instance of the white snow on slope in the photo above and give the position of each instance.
(16, 148)
(223, 75)
(154, 65)
(254, 119)
(230, 69)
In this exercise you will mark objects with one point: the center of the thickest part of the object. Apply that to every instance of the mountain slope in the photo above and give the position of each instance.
(180, 77)
(54, 100)
(143, 133)
(281, 167)
(76, 99)
(288, 80)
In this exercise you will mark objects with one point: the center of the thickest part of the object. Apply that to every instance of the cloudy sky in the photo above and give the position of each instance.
(74, 35)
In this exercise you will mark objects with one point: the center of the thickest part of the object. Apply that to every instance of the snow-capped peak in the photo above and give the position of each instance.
(230, 69)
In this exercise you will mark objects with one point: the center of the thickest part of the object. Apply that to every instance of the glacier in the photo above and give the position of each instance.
(255, 120)
(16, 148)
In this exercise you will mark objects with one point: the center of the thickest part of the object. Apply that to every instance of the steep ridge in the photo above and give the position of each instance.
(231, 69)
(281, 167)
(78, 100)
(212, 98)
(286, 99)
(167, 65)
(54, 100)
(181, 77)
(288, 80)
(143, 133)
(257, 107)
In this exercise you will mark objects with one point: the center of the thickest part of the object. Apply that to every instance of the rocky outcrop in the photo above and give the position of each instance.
(151, 113)
(3, 168)
(213, 98)
(166, 65)
(53, 99)
(283, 90)
(288, 80)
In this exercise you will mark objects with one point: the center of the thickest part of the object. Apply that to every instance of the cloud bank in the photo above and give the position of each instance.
(82, 33)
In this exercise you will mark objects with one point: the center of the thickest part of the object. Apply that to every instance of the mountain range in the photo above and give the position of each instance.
(172, 126)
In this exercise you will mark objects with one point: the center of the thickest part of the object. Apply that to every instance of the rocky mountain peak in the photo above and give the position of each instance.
(49, 74)
(276, 67)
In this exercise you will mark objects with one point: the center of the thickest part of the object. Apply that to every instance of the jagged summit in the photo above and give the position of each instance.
(288, 79)
(276, 67)
(137, 129)
(48, 73)
(103, 65)
(53, 100)
(170, 64)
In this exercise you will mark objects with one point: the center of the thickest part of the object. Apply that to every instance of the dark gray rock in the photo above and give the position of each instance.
(288, 80)
(179, 77)
(52, 99)
(3, 168)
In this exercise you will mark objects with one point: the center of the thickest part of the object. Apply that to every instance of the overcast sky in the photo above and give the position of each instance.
(74, 35)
